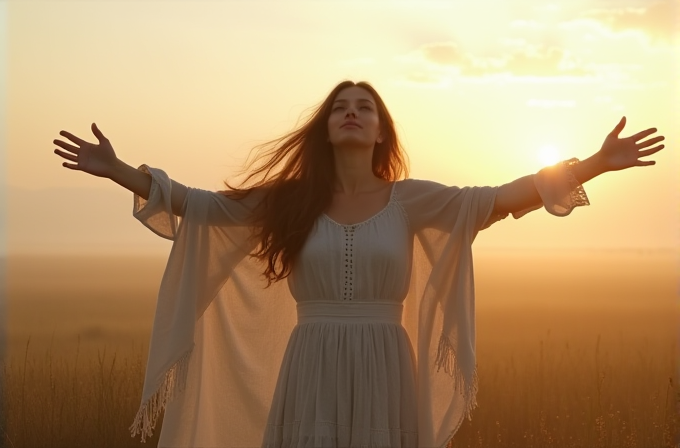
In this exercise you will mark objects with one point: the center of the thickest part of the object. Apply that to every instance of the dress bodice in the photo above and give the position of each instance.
(367, 261)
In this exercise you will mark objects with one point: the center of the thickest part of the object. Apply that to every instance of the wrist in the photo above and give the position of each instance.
(589, 168)
(117, 169)
(121, 172)
(599, 163)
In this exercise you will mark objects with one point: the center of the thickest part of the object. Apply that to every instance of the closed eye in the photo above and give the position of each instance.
(361, 108)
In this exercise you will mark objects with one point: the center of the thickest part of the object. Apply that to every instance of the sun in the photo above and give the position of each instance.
(548, 155)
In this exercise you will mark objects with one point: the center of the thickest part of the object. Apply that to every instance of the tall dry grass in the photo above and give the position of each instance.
(561, 394)
(593, 372)
(55, 401)
(550, 395)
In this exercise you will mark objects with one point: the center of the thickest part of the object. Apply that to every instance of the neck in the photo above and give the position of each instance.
(354, 172)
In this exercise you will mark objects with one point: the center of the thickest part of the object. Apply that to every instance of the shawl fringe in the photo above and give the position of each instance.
(175, 381)
(446, 358)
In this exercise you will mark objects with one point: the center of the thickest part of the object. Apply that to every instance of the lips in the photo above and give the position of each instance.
(350, 123)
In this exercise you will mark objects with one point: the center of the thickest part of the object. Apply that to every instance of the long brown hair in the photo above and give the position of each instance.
(297, 174)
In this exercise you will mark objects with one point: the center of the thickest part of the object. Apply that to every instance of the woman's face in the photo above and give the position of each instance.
(354, 119)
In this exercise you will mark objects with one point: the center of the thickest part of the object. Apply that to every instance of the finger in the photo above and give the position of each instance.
(66, 146)
(98, 133)
(650, 142)
(619, 127)
(70, 165)
(647, 163)
(73, 138)
(643, 134)
(66, 155)
(649, 152)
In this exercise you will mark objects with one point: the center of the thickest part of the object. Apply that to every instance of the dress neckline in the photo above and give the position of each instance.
(369, 219)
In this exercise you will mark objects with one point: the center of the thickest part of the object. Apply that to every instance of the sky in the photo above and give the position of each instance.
(481, 92)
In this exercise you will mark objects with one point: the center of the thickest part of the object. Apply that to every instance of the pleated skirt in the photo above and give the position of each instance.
(347, 379)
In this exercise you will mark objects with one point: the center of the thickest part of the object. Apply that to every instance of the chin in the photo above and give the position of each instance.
(352, 143)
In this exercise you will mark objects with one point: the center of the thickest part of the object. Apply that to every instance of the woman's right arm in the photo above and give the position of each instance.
(100, 160)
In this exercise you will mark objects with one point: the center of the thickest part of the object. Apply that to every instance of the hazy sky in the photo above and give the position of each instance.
(482, 93)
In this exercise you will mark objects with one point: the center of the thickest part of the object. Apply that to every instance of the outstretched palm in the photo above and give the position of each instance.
(621, 153)
(98, 160)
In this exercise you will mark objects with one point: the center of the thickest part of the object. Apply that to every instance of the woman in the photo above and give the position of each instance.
(373, 265)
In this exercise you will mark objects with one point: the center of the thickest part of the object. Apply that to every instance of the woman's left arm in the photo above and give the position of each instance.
(616, 154)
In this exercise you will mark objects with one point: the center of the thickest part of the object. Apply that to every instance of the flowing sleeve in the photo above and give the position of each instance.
(433, 205)
(218, 335)
(559, 189)
(439, 311)
(156, 213)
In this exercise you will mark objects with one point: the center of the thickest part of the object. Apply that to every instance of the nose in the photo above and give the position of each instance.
(350, 112)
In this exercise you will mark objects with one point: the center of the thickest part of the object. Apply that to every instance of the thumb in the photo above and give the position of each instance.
(619, 127)
(97, 133)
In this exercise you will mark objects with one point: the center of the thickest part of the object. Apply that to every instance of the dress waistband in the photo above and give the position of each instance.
(349, 312)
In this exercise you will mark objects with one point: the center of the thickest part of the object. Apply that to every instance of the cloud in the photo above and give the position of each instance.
(658, 21)
(543, 61)
(444, 54)
(520, 61)
(582, 46)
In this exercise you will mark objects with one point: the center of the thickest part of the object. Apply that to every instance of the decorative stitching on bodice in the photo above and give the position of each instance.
(348, 253)
(348, 286)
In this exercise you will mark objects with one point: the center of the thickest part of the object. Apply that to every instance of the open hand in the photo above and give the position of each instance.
(98, 160)
(621, 153)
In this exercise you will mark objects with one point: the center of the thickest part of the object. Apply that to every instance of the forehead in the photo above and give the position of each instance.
(354, 93)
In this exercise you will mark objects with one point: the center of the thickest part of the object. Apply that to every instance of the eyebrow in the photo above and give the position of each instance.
(360, 100)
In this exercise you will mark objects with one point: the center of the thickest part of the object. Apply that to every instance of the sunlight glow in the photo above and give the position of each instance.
(548, 155)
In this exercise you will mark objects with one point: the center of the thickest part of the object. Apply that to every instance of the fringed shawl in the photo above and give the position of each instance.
(219, 337)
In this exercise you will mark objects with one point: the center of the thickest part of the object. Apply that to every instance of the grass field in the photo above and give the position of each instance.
(574, 350)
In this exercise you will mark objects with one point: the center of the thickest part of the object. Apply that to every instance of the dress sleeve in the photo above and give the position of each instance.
(433, 205)
(559, 189)
(217, 335)
(156, 212)
(439, 308)
(439, 311)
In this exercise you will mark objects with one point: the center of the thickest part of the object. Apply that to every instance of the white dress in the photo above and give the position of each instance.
(348, 373)
(369, 343)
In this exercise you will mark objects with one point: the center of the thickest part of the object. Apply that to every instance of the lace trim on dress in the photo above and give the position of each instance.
(175, 381)
(577, 194)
